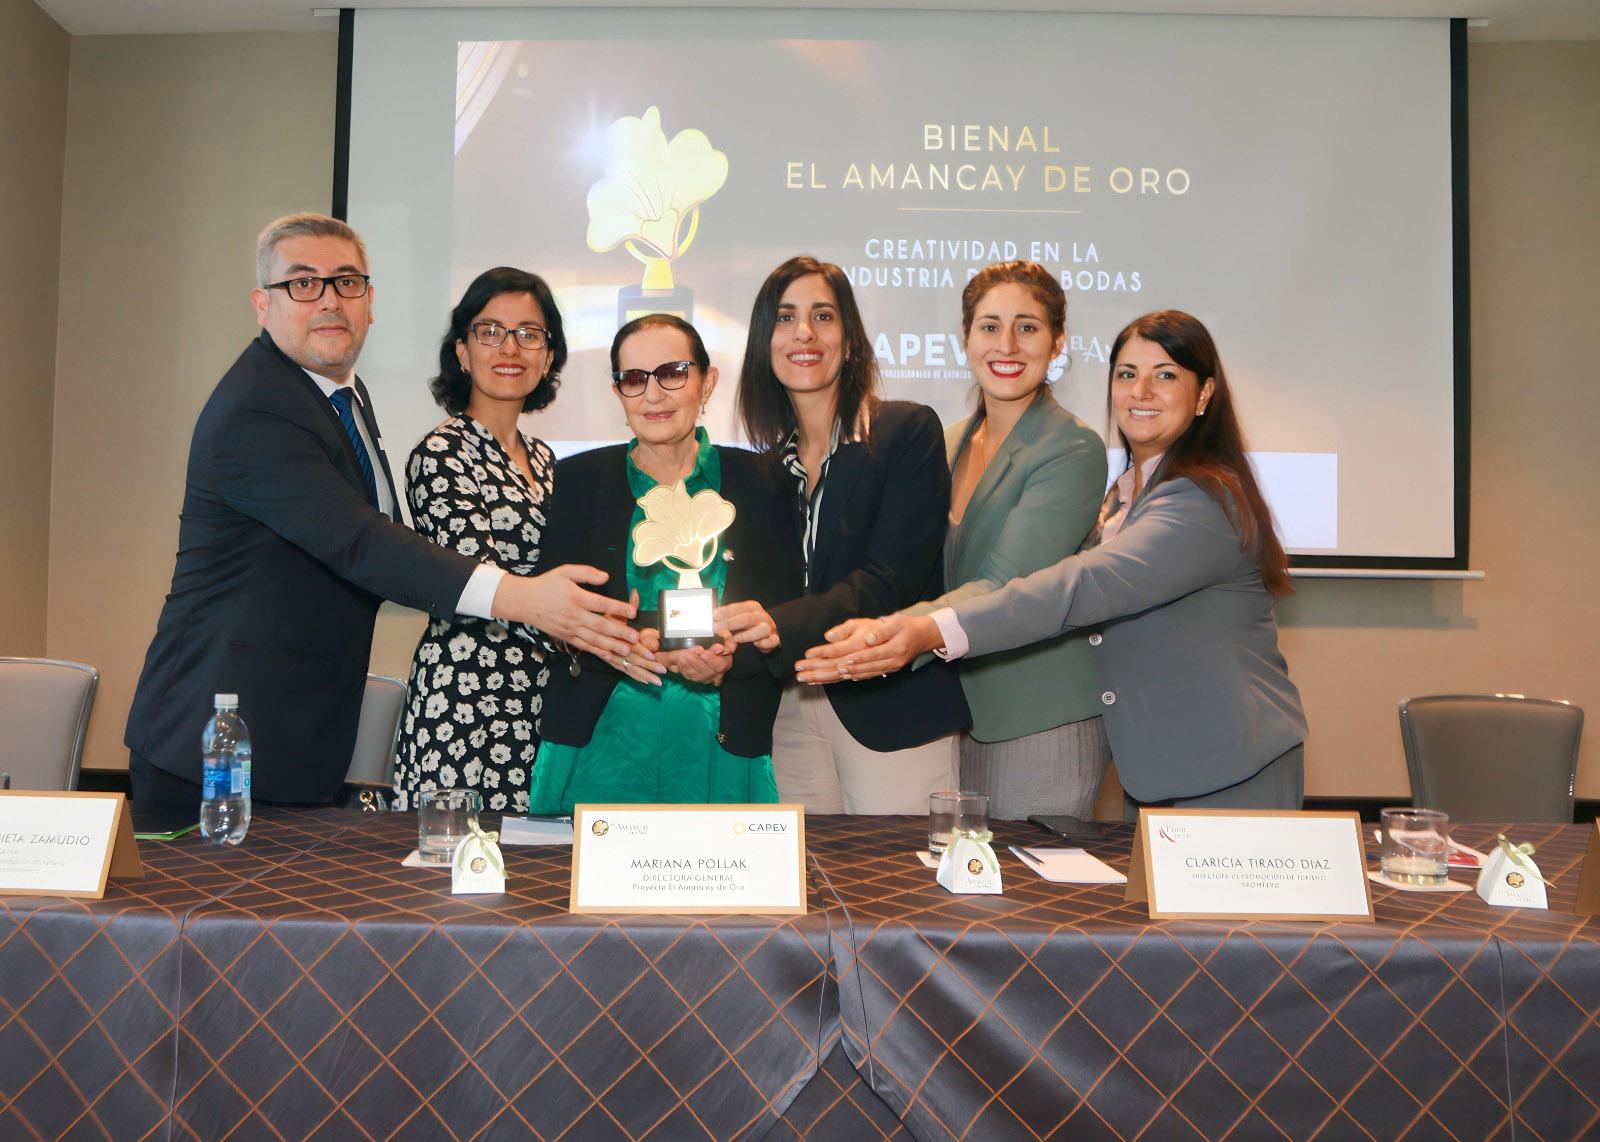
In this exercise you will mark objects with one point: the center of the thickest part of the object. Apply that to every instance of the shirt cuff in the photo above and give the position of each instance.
(955, 639)
(477, 597)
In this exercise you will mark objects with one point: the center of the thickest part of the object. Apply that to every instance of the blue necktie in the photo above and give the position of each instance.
(341, 398)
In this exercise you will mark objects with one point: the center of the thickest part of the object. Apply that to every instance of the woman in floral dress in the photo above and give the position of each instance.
(479, 486)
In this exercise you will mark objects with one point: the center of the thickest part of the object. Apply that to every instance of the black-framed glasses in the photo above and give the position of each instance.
(633, 382)
(347, 286)
(491, 334)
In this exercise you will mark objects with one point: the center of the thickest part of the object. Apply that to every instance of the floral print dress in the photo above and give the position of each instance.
(472, 712)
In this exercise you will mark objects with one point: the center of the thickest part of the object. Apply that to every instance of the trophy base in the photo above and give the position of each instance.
(685, 615)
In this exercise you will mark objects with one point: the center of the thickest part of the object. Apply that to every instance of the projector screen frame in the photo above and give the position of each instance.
(1460, 300)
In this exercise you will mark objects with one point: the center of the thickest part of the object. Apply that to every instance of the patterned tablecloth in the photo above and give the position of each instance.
(306, 985)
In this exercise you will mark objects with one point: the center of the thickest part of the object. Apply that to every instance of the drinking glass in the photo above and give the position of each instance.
(1414, 845)
(444, 817)
(949, 810)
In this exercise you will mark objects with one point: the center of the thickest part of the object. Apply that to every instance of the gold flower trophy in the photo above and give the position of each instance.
(680, 532)
(649, 203)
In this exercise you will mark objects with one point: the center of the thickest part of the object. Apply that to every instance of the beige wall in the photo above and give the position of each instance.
(33, 138)
(181, 133)
(178, 149)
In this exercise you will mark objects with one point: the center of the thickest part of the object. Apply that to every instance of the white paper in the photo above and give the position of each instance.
(713, 858)
(1068, 866)
(928, 859)
(526, 831)
(54, 844)
(1220, 863)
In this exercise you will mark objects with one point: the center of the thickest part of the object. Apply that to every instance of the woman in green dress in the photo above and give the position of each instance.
(682, 726)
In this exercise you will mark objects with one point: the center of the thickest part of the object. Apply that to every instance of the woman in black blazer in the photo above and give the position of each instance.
(703, 731)
(870, 493)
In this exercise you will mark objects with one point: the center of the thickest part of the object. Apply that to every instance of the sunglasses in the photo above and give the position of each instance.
(633, 382)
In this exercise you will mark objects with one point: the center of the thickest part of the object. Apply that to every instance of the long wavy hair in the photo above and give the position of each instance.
(1211, 451)
(764, 405)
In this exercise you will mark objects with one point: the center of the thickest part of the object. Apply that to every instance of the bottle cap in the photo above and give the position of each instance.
(227, 701)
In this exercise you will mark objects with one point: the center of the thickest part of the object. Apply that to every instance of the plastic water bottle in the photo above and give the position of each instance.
(225, 792)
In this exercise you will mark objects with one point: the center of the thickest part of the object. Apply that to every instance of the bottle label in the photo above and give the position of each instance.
(236, 780)
(215, 780)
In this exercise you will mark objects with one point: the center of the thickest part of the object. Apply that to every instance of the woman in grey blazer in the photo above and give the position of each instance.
(1027, 479)
(1176, 592)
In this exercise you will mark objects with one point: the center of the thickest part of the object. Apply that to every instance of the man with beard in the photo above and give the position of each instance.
(290, 537)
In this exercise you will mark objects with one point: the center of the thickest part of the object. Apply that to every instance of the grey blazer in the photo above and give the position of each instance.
(1033, 506)
(1195, 693)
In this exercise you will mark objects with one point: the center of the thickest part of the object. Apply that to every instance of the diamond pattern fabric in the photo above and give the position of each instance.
(306, 985)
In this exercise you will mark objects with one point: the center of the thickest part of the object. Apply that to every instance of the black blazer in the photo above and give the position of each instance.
(589, 517)
(880, 547)
(281, 566)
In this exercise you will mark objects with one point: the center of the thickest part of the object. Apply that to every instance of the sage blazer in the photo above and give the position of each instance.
(1033, 506)
(1195, 692)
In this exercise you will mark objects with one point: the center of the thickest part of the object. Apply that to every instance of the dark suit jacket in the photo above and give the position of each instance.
(589, 517)
(880, 547)
(281, 566)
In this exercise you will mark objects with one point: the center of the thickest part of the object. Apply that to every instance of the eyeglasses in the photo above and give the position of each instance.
(348, 286)
(491, 334)
(633, 382)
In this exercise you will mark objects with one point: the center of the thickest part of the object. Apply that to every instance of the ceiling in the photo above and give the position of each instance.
(1507, 19)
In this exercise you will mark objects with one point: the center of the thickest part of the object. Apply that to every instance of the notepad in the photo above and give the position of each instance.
(1068, 866)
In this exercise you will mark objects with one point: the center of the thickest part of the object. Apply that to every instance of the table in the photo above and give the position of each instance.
(305, 985)
(1059, 1010)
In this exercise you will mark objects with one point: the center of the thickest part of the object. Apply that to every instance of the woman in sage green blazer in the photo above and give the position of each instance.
(1027, 480)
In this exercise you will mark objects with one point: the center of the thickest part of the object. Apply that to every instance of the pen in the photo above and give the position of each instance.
(1026, 857)
(556, 817)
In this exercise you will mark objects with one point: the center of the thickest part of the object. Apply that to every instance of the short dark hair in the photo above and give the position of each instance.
(697, 345)
(452, 388)
(764, 404)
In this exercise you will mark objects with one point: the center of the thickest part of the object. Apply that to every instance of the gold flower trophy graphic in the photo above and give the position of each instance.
(680, 532)
(649, 203)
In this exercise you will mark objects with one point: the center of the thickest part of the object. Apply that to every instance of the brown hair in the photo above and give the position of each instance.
(1032, 276)
(1211, 451)
(764, 405)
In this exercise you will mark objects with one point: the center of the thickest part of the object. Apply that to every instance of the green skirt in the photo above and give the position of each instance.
(652, 745)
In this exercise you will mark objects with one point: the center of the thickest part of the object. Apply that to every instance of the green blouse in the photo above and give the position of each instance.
(655, 744)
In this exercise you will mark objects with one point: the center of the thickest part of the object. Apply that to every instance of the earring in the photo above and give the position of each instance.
(1201, 411)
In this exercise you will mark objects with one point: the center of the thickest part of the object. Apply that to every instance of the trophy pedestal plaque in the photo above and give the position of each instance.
(685, 616)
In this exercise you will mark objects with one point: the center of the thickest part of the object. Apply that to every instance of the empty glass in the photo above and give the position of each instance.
(949, 810)
(444, 819)
(1414, 845)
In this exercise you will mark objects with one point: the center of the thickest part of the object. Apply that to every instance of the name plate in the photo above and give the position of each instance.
(1235, 864)
(689, 858)
(65, 844)
(1588, 902)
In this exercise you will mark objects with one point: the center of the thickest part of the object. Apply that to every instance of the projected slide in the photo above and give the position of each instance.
(1285, 180)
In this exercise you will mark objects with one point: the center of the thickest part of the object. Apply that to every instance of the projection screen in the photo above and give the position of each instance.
(1287, 180)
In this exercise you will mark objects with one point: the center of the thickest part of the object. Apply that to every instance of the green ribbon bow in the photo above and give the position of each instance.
(489, 843)
(1518, 855)
(982, 837)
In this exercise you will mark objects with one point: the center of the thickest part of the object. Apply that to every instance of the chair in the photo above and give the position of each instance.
(44, 715)
(372, 760)
(1492, 757)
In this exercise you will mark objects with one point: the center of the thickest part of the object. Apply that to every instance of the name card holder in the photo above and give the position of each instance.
(1589, 881)
(702, 859)
(65, 844)
(1249, 864)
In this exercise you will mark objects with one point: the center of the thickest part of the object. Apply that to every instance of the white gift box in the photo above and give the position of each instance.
(969, 867)
(1511, 883)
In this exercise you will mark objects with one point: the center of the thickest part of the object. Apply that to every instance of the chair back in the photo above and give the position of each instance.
(372, 760)
(1463, 749)
(44, 715)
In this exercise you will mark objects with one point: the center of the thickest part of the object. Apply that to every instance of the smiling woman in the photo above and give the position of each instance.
(479, 486)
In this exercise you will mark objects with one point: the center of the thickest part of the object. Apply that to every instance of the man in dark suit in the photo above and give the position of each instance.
(290, 537)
